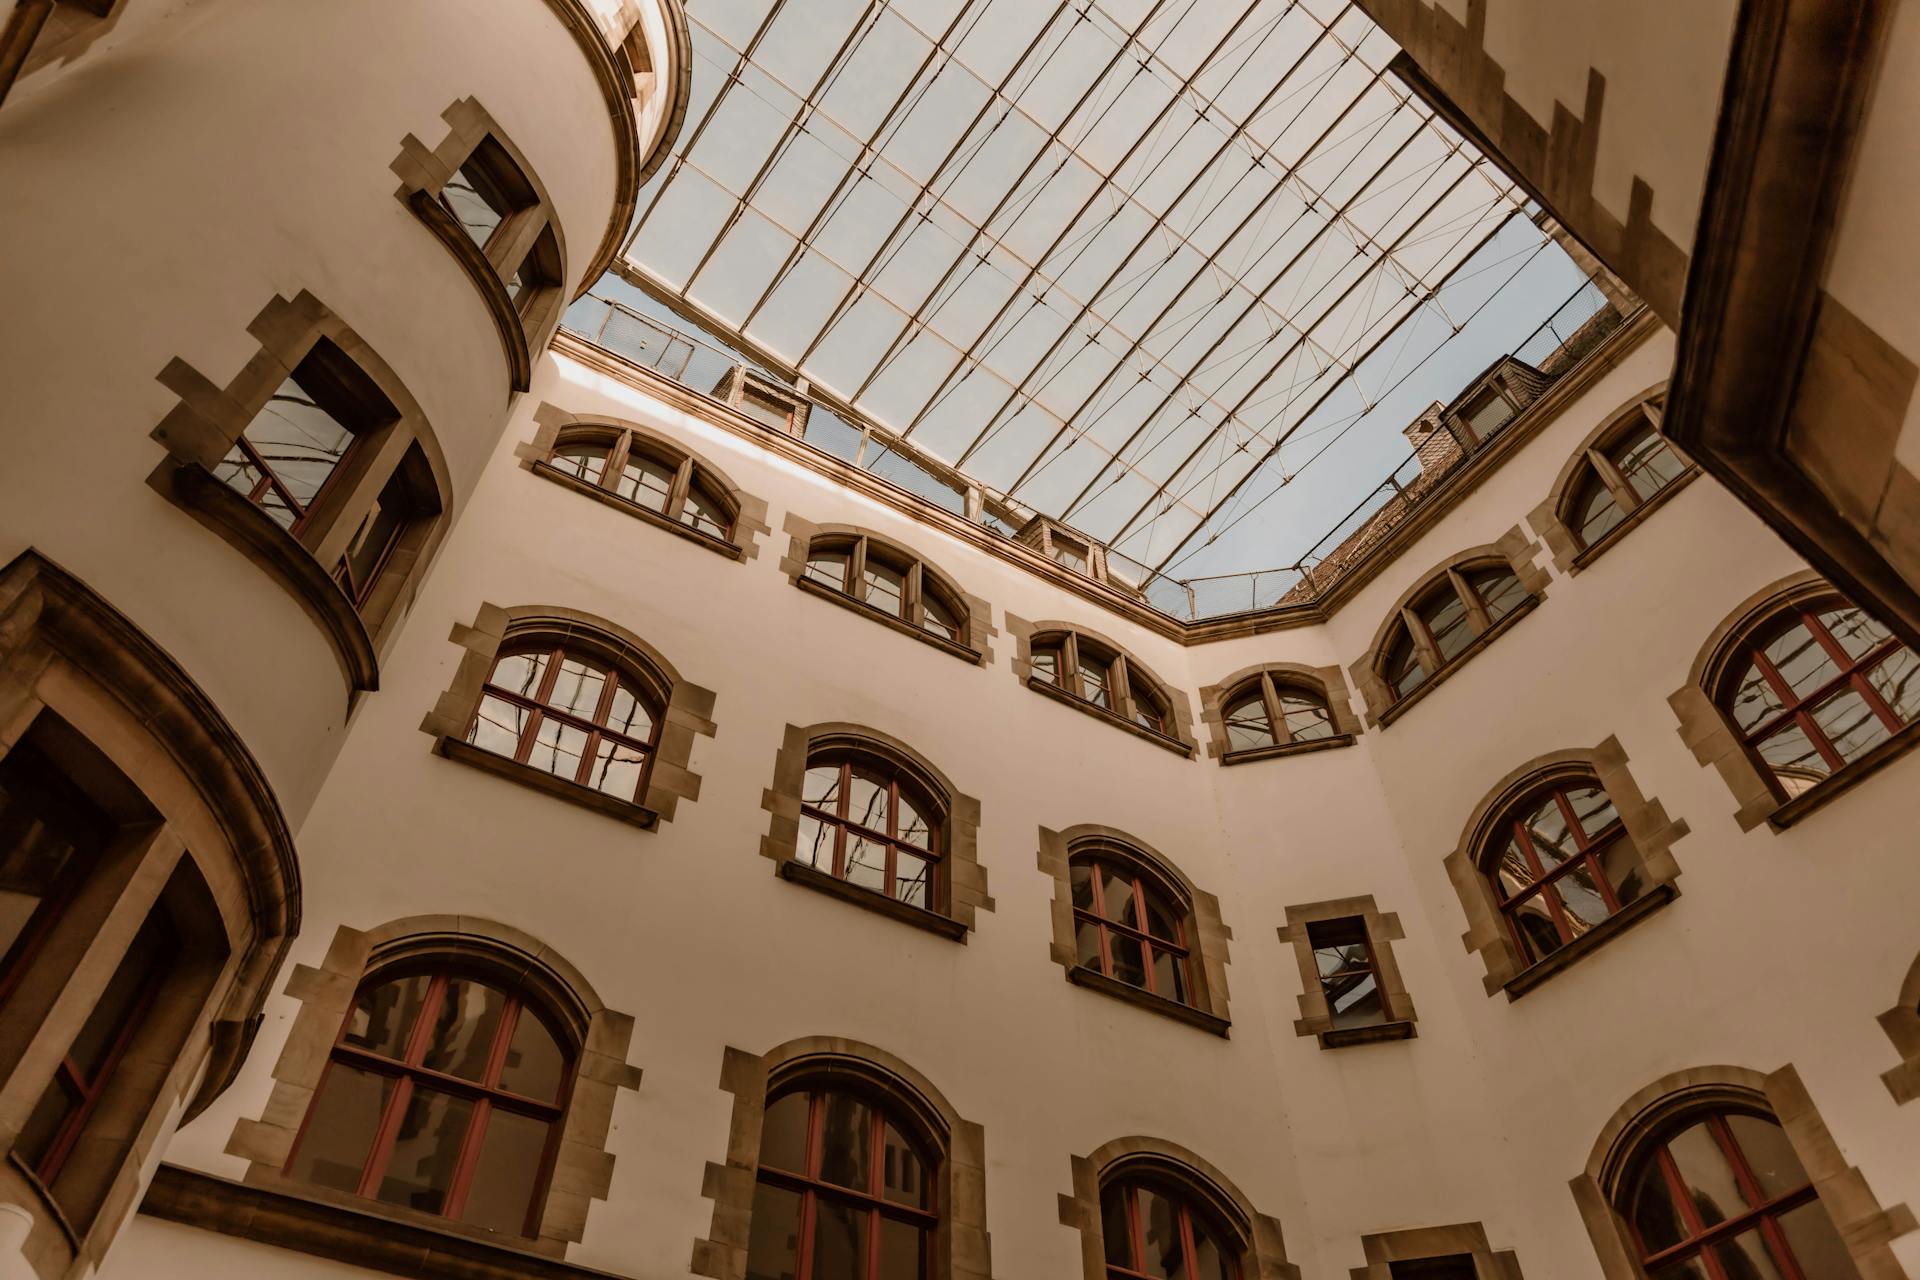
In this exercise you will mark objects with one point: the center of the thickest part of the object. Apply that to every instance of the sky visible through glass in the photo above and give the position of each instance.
(1177, 272)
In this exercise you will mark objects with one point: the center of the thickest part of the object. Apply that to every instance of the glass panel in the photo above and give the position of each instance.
(705, 514)
(1162, 920)
(866, 862)
(765, 409)
(1647, 463)
(582, 459)
(1754, 701)
(914, 826)
(1446, 621)
(1793, 759)
(1651, 1210)
(1069, 555)
(1581, 898)
(1114, 1231)
(1512, 873)
(886, 587)
(867, 798)
(1745, 1257)
(1621, 863)
(1897, 679)
(1802, 661)
(913, 880)
(1080, 876)
(1247, 723)
(647, 482)
(1500, 592)
(846, 1141)
(498, 726)
(464, 198)
(1404, 673)
(829, 568)
(628, 715)
(1593, 808)
(577, 688)
(1211, 1259)
(1709, 1178)
(464, 1029)
(936, 617)
(425, 1150)
(1307, 717)
(821, 787)
(1046, 665)
(839, 1240)
(1117, 895)
(1595, 513)
(1816, 1245)
(1093, 683)
(536, 1064)
(383, 1016)
(511, 1152)
(1147, 712)
(1160, 1232)
(1534, 923)
(783, 1133)
(773, 1239)
(903, 1251)
(299, 440)
(816, 843)
(340, 1127)
(1086, 942)
(1768, 1154)
(557, 747)
(114, 1013)
(904, 1176)
(520, 673)
(1850, 724)
(1856, 631)
(1169, 975)
(1547, 831)
(239, 472)
(1128, 966)
(1493, 412)
(616, 769)
(379, 531)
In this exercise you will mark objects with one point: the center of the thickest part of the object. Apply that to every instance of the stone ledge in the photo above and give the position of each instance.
(1081, 976)
(540, 780)
(1111, 717)
(919, 917)
(1278, 749)
(1379, 1032)
(1612, 927)
(720, 546)
(845, 601)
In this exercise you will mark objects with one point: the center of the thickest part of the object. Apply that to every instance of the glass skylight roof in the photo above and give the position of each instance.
(1132, 264)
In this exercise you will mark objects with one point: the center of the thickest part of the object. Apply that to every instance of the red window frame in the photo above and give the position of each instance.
(539, 709)
(685, 480)
(812, 1188)
(1701, 1236)
(1590, 848)
(1136, 930)
(485, 1094)
(1135, 1267)
(1797, 709)
(843, 825)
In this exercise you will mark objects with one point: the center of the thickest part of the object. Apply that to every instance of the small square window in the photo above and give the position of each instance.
(1343, 957)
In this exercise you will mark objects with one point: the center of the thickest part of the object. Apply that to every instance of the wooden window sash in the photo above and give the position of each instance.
(841, 820)
(1799, 709)
(1703, 1236)
(1137, 929)
(596, 729)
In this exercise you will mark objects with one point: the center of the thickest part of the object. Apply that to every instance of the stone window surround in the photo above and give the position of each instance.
(1552, 519)
(598, 1037)
(1263, 1254)
(1649, 829)
(1180, 739)
(1385, 1248)
(214, 844)
(1383, 929)
(1902, 1025)
(688, 710)
(1208, 933)
(1712, 738)
(962, 1247)
(978, 614)
(1867, 1229)
(749, 513)
(1328, 683)
(963, 881)
(201, 429)
(1515, 551)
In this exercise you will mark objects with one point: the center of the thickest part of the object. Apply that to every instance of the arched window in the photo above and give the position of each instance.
(572, 714)
(1616, 478)
(868, 821)
(443, 1093)
(1560, 862)
(1130, 927)
(1443, 620)
(888, 580)
(646, 474)
(1814, 686)
(1720, 1195)
(846, 1190)
(1152, 1229)
(1095, 674)
(1268, 712)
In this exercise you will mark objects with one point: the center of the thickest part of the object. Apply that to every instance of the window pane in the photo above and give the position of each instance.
(867, 798)
(783, 1133)
(1650, 1208)
(1114, 1229)
(1746, 1257)
(1160, 1229)
(1768, 1154)
(463, 1032)
(1816, 1245)
(511, 1152)
(577, 688)
(1046, 665)
(646, 482)
(1489, 414)
(1897, 679)
(1128, 965)
(464, 195)
(1595, 513)
(627, 714)
(1709, 1178)
(1307, 718)
(1147, 712)
(582, 459)
(905, 1177)
(1247, 723)
(913, 880)
(914, 826)
(1621, 862)
(498, 726)
(903, 1251)
(1593, 808)
(299, 440)
(557, 747)
(1446, 620)
(383, 1017)
(773, 1239)
(1793, 759)
(114, 1013)
(846, 1138)
(1404, 673)
(828, 568)
(1850, 724)
(1117, 896)
(425, 1151)
(616, 769)
(1648, 464)
(1080, 874)
(1857, 631)
(1086, 942)
(839, 1240)
(1512, 873)
(392, 511)
(866, 862)
(886, 587)
(1169, 975)
(1093, 683)
(704, 514)
(1162, 920)
(340, 1127)
(1581, 898)
(816, 843)
(936, 617)
(1802, 661)
(1500, 592)
(1754, 700)
(1353, 998)
(520, 673)
(1534, 923)
(536, 1064)
(1069, 555)
(821, 787)
(1547, 831)
(1210, 1259)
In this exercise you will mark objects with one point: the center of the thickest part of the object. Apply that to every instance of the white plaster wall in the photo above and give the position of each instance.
(1781, 948)
(200, 158)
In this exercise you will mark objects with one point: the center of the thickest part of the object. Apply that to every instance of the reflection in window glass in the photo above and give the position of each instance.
(1247, 723)
(870, 823)
(1131, 930)
(1560, 864)
(574, 717)
(1343, 958)
(287, 453)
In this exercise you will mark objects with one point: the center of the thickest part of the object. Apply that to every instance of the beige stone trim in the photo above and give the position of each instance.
(1179, 706)
(1383, 930)
(524, 323)
(1867, 1229)
(1650, 831)
(963, 886)
(1553, 518)
(689, 708)
(1514, 550)
(801, 535)
(1262, 1248)
(1208, 934)
(551, 422)
(962, 1245)
(200, 837)
(1328, 683)
(200, 430)
(1902, 1025)
(1462, 1239)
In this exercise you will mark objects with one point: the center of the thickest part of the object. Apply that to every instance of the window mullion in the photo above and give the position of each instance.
(381, 1149)
(1070, 661)
(1624, 494)
(912, 605)
(616, 463)
(1425, 652)
(468, 1158)
(857, 570)
(1119, 688)
(677, 491)
(1477, 615)
(1270, 698)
